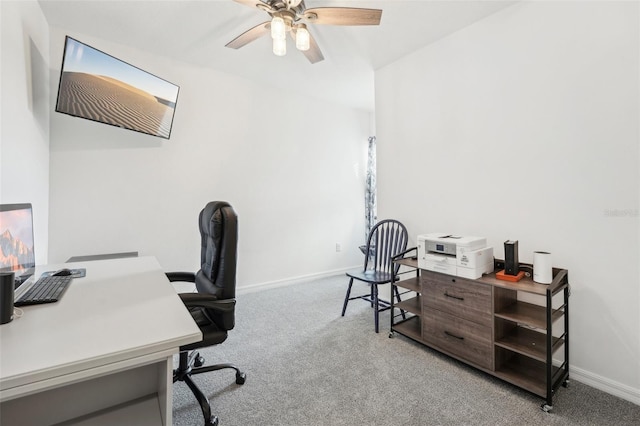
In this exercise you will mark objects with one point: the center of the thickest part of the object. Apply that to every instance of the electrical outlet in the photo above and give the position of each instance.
(338, 247)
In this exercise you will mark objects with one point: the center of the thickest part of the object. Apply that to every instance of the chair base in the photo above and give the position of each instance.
(190, 364)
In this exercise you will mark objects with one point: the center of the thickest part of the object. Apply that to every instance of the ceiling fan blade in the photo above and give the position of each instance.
(255, 4)
(343, 16)
(250, 35)
(313, 54)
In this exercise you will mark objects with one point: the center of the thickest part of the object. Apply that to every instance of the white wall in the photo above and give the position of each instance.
(292, 167)
(525, 126)
(24, 113)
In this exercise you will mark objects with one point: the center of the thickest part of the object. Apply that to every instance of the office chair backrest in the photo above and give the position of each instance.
(386, 239)
(219, 233)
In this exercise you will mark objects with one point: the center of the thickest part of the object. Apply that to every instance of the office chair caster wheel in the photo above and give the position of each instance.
(199, 362)
(240, 378)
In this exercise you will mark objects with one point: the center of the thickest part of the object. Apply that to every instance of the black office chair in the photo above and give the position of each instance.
(212, 307)
(386, 239)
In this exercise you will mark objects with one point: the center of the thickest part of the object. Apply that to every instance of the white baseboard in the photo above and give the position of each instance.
(294, 280)
(606, 385)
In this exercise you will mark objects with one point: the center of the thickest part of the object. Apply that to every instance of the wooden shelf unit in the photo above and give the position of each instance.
(406, 318)
(528, 342)
(528, 314)
(410, 327)
(486, 324)
(411, 305)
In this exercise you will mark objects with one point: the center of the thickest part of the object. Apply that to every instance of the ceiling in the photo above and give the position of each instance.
(196, 32)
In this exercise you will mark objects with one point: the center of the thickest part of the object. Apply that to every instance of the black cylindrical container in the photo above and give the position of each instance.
(6, 296)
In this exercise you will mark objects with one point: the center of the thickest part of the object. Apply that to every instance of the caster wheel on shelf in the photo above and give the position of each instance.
(566, 383)
(213, 421)
(391, 335)
(546, 408)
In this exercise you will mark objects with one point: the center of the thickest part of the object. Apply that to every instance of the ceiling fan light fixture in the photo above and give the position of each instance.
(279, 46)
(286, 16)
(278, 28)
(302, 38)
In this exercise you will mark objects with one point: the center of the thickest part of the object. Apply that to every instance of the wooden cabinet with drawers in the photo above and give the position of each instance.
(517, 331)
(457, 317)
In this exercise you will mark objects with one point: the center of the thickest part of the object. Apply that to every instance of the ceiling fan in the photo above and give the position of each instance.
(292, 16)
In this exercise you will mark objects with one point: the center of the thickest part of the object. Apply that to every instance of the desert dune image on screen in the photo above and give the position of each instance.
(99, 87)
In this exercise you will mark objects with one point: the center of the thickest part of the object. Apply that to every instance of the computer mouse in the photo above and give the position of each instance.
(63, 272)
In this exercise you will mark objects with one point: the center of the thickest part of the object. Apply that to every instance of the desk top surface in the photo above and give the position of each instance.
(122, 309)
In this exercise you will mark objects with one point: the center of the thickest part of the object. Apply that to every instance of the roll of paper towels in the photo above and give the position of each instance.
(542, 269)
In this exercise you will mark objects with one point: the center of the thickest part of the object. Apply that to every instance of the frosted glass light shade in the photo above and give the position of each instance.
(279, 46)
(302, 38)
(278, 29)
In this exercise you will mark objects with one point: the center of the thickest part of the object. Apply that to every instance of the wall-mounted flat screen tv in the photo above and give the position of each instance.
(102, 88)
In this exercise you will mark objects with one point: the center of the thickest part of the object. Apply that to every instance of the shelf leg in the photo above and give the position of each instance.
(549, 357)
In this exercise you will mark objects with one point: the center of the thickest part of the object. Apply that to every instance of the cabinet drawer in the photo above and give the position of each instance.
(459, 337)
(458, 296)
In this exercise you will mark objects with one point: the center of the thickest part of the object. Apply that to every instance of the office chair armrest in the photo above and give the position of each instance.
(187, 277)
(208, 301)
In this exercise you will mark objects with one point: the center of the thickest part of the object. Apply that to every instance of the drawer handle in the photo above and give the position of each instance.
(453, 335)
(453, 297)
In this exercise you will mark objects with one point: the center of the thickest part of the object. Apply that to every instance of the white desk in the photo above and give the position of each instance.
(103, 354)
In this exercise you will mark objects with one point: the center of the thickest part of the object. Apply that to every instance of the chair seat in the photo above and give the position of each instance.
(371, 276)
(211, 333)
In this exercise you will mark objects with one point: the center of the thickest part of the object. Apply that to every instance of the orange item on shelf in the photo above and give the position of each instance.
(502, 276)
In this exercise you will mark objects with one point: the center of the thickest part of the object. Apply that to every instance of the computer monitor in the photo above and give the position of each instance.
(16, 240)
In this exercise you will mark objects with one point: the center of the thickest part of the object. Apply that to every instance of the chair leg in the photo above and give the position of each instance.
(240, 376)
(209, 419)
(374, 290)
(397, 294)
(346, 298)
(371, 297)
(185, 370)
(404, 315)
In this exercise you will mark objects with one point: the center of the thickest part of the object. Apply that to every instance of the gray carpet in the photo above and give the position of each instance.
(307, 365)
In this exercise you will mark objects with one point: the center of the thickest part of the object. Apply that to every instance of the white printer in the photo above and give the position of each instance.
(467, 257)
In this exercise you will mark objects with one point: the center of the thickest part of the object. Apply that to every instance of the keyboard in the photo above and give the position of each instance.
(45, 290)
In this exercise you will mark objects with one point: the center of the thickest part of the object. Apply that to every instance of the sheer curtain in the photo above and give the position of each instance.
(371, 213)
